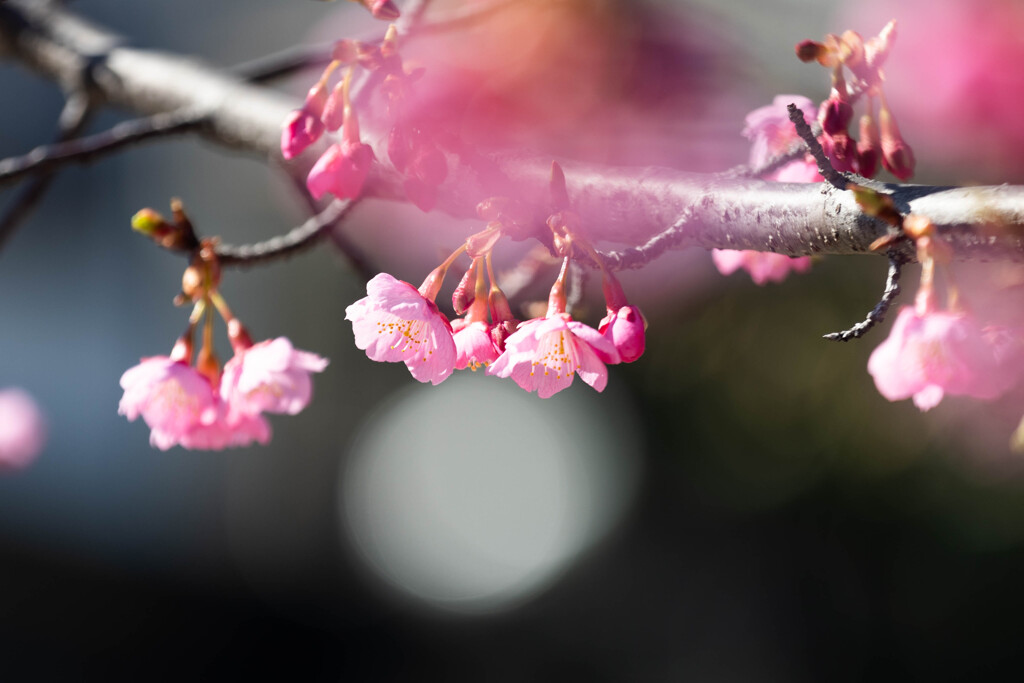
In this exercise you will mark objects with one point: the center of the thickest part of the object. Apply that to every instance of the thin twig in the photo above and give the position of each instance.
(358, 260)
(74, 118)
(638, 257)
(824, 165)
(295, 240)
(86, 149)
(877, 314)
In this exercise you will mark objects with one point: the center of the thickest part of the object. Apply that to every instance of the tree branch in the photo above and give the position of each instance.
(629, 206)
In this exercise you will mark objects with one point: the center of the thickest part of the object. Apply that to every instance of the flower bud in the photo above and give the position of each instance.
(868, 147)
(897, 156)
(625, 328)
(835, 114)
(464, 293)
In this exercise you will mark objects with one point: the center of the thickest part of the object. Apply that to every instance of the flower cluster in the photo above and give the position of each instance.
(397, 322)
(183, 406)
(204, 406)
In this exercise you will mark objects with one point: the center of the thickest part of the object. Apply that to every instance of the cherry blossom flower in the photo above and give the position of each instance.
(762, 266)
(474, 345)
(271, 376)
(929, 354)
(181, 407)
(396, 323)
(22, 429)
(624, 328)
(544, 354)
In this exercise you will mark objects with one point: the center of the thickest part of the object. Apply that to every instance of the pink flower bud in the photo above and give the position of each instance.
(341, 170)
(301, 129)
(868, 147)
(625, 329)
(897, 157)
(835, 115)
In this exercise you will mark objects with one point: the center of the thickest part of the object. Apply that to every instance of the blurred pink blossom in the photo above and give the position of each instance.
(763, 266)
(544, 354)
(396, 323)
(22, 429)
(929, 354)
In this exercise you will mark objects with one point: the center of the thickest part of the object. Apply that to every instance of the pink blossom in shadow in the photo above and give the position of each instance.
(625, 329)
(762, 266)
(271, 376)
(395, 323)
(474, 345)
(544, 354)
(931, 354)
(22, 429)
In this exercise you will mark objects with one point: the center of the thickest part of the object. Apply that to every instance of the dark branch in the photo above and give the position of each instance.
(824, 165)
(877, 314)
(82, 150)
(297, 239)
(73, 119)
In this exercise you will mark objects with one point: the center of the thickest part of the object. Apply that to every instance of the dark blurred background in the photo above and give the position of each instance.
(739, 505)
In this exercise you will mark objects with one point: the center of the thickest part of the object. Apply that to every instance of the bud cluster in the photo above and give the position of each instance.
(856, 67)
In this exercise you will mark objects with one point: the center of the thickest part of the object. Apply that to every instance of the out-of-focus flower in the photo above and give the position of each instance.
(929, 354)
(22, 429)
(271, 376)
(762, 266)
(544, 354)
(396, 323)
(771, 133)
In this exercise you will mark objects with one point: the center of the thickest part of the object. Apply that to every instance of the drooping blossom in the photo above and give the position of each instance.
(624, 328)
(474, 345)
(271, 376)
(341, 170)
(931, 353)
(22, 429)
(544, 354)
(762, 266)
(396, 323)
(181, 407)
